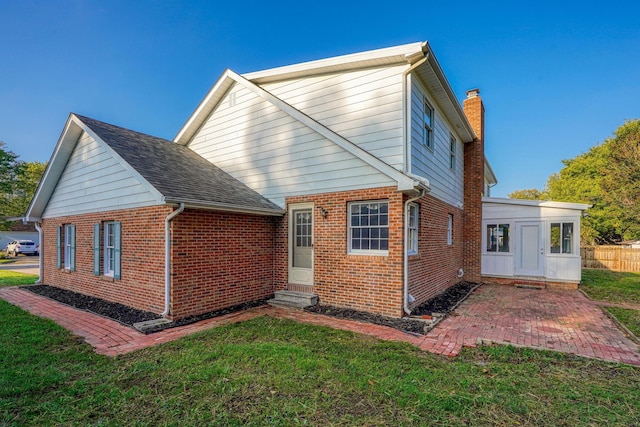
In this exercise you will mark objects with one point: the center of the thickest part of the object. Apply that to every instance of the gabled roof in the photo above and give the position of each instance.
(429, 72)
(173, 172)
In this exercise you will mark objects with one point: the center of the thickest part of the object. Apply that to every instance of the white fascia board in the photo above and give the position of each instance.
(55, 167)
(404, 182)
(371, 58)
(537, 203)
(204, 109)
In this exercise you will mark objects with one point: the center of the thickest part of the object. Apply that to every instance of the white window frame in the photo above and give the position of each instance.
(453, 147)
(498, 248)
(428, 117)
(68, 243)
(449, 229)
(109, 254)
(562, 225)
(413, 227)
(382, 229)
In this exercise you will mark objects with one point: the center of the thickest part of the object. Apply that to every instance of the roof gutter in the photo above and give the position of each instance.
(227, 207)
(167, 258)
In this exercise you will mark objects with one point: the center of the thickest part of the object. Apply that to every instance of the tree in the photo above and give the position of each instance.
(606, 177)
(621, 179)
(18, 183)
(528, 194)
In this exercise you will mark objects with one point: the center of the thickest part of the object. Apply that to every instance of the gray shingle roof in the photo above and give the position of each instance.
(177, 172)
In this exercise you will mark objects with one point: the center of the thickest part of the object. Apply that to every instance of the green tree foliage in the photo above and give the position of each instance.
(621, 180)
(18, 183)
(607, 177)
(527, 194)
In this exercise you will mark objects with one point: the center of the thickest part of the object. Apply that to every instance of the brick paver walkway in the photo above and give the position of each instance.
(558, 320)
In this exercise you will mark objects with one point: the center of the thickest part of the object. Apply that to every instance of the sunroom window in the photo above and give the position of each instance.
(497, 238)
(561, 239)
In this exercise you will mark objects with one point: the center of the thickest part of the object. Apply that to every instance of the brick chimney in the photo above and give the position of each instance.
(473, 186)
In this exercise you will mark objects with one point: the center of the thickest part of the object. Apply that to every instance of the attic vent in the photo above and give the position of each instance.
(232, 99)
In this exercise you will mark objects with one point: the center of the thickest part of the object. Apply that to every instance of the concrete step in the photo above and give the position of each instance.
(293, 299)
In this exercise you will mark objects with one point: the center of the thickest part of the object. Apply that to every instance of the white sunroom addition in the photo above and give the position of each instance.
(531, 241)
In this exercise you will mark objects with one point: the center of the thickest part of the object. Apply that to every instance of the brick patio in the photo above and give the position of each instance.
(564, 321)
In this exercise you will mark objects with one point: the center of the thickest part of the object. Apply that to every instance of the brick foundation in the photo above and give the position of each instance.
(515, 281)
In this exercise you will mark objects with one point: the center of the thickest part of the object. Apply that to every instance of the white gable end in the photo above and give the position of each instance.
(275, 154)
(363, 106)
(94, 180)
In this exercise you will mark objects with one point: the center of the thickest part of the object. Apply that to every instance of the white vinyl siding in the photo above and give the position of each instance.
(363, 106)
(274, 154)
(94, 181)
(447, 184)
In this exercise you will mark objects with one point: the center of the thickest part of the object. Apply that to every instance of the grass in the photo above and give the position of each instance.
(629, 318)
(611, 286)
(276, 372)
(13, 278)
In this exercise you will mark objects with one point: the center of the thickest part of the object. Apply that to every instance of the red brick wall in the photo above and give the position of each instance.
(220, 260)
(362, 282)
(435, 267)
(473, 189)
(142, 282)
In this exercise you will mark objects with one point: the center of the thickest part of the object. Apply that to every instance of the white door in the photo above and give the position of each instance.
(530, 249)
(301, 244)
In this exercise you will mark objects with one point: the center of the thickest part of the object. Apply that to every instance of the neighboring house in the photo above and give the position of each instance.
(531, 242)
(358, 179)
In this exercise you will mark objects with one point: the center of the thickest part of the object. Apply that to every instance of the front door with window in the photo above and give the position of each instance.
(301, 244)
(530, 249)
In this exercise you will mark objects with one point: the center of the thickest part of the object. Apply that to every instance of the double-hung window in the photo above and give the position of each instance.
(369, 227)
(497, 238)
(427, 136)
(561, 239)
(107, 243)
(452, 152)
(449, 229)
(66, 247)
(413, 225)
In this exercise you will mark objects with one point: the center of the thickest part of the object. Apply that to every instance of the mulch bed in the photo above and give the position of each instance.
(127, 315)
(442, 304)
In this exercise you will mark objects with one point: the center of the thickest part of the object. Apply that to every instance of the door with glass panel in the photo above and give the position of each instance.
(301, 244)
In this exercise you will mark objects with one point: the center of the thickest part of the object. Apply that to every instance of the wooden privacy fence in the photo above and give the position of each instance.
(615, 258)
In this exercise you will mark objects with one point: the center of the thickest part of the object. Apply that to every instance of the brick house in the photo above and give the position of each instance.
(358, 179)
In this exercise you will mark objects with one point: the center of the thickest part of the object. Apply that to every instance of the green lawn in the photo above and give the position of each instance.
(12, 278)
(604, 285)
(629, 318)
(276, 372)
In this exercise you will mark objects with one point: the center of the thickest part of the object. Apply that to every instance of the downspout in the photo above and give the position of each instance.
(406, 251)
(40, 265)
(406, 129)
(167, 258)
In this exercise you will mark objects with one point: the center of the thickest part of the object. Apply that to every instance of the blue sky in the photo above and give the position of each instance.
(556, 77)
